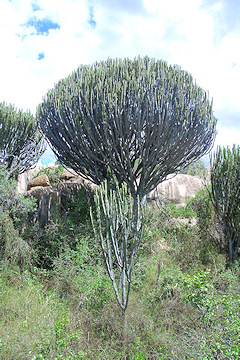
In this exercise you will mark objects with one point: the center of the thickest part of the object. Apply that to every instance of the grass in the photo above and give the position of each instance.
(184, 303)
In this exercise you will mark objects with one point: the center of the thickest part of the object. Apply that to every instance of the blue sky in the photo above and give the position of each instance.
(43, 41)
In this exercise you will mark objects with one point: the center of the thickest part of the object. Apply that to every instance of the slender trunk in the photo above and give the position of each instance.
(124, 343)
(123, 281)
(230, 244)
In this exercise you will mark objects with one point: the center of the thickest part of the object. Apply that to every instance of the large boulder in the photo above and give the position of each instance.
(176, 189)
(41, 180)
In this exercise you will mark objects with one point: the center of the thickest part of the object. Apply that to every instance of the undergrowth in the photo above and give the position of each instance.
(57, 302)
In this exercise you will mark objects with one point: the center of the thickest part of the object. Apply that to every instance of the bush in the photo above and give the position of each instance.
(68, 224)
(210, 227)
(15, 204)
(14, 222)
(13, 249)
(52, 173)
(218, 313)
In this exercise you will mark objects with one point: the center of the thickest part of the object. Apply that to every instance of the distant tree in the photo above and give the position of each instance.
(21, 144)
(197, 168)
(225, 194)
(139, 120)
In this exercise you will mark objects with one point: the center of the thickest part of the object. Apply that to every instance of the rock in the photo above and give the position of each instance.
(176, 189)
(68, 174)
(26, 177)
(39, 191)
(41, 180)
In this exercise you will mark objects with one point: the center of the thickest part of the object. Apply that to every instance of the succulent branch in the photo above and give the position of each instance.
(21, 144)
(225, 179)
(119, 234)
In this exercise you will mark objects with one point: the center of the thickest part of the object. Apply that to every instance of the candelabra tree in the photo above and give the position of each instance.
(127, 122)
(21, 143)
(225, 194)
(139, 120)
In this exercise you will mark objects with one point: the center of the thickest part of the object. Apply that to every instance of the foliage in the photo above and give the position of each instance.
(79, 270)
(77, 207)
(181, 233)
(210, 226)
(21, 144)
(139, 120)
(52, 173)
(219, 315)
(187, 310)
(68, 224)
(14, 250)
(225, 194)
(15, 213)
(15, 204)
(197, 168)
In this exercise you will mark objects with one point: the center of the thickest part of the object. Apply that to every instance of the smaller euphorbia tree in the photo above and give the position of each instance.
(225, 195)
(21, 144)
(120, 232)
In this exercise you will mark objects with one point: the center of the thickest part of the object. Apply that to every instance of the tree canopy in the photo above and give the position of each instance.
(21, 143)
(138, 120)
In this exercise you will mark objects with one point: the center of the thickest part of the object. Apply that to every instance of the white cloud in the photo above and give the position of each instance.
(180, 32)
(227, 136)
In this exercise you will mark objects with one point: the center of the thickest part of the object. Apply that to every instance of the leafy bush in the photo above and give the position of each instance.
(52, 173)
(15, 204)
(210, 227)
(68, 224)
(14, 221)
(13, 249)
(196, 169)
(218, 318)
(77, 208)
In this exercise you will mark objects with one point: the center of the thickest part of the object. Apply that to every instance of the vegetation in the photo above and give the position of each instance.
(130, 123)
(21, 144)
(52, 173)
(15, 214)
(196, 169)
(119, 236)
(138, 120)
(184, 303)
(225, 194)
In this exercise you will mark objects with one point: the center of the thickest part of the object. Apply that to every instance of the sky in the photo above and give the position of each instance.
(43, 41)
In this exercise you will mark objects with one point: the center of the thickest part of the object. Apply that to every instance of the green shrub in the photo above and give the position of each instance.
(218, 312)
(80, 271)
(196, 169)
(53, 173)
(210, 227)
(13, 249)
(68, 225)
(15, 213)
(77, 208)
(17, 206)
